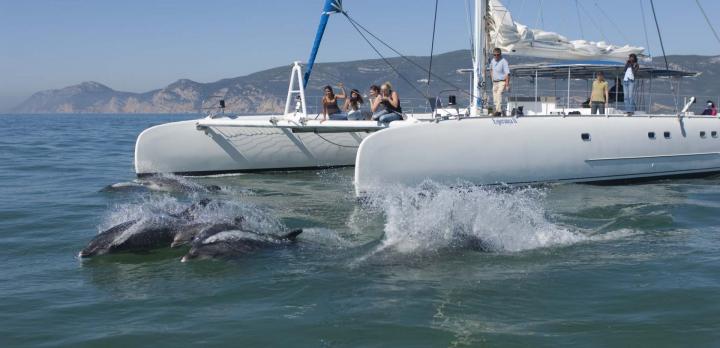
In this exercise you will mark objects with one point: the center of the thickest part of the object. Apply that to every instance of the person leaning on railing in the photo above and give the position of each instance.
(600, 95)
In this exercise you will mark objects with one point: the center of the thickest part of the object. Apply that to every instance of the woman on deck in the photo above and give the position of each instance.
(631, 70)
(386, 105)
(352, 105)
(599, 96)
(330, 106)
(710, 109)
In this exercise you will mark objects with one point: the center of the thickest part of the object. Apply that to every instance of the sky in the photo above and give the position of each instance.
(141, 45)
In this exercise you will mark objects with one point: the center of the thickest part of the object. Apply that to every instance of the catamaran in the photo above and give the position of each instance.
(548, 141)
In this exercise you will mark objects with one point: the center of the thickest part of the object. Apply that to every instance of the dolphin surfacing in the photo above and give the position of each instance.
(234, 243)
(141, 234)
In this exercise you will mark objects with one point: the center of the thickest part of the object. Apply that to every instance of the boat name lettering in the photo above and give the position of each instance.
(503, 121)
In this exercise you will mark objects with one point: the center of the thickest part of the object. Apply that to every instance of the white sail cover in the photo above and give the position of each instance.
(513, 37)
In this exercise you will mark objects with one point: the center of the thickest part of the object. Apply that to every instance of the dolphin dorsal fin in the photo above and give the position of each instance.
(292, 234)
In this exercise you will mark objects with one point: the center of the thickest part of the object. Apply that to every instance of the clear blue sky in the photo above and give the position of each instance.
(139, 45)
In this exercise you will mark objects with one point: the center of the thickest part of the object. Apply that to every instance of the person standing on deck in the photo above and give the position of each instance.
(600, 94)
(500, 75)
(631, 70)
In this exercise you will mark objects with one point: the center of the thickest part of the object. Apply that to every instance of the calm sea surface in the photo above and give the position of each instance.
(567, 265)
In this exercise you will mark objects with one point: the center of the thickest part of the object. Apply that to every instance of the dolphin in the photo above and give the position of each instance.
(141, 234)
(233, 243)
(189, 233)
(160, 184)
(133, 235)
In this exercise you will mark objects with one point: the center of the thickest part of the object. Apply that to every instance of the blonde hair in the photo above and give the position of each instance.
(387, 86)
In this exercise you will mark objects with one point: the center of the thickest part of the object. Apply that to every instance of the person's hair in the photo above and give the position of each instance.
(358, 99)
(375, 88)
(633, 57)
(387, 86)
(328, 88)
(497, 50)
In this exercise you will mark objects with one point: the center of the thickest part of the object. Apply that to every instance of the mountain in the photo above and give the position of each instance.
(265, 91)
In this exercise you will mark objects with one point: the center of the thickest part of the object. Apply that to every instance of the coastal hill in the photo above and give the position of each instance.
(265, 91)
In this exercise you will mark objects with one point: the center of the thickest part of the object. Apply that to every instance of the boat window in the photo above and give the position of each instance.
(666, 135)
(713, 134)
(651, 135)
(702, 134)
(585, 136)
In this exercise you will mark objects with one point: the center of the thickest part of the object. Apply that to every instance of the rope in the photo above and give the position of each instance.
(612, 22)
(647, 41)
(540, 20)
(577, 9)
(662, 46)
(592, 21)
(708, 20)
(357, 25)
(432, 46)
(383, 57)
(468, 21)
(334, 143)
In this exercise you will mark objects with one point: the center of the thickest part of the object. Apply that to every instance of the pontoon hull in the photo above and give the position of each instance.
(537, 150)
(184, 148)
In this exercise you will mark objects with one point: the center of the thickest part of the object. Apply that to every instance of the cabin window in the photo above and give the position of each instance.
(666, 135)
(713, 134)
(585, 136)
(651, 135)
(702, 134)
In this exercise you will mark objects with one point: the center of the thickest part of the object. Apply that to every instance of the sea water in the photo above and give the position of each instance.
(560, 265)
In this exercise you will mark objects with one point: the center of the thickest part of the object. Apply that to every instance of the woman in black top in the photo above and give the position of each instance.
(330, 106)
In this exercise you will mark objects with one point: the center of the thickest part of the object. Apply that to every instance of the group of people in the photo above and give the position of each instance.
(384, 104)
(599, 97)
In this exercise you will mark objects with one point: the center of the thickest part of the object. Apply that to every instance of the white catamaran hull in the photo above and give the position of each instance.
(539, 149)
(247, 144)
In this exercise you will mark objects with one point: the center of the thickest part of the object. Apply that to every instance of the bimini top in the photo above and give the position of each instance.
(588, 69)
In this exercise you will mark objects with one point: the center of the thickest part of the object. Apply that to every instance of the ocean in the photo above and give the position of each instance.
(559, 265)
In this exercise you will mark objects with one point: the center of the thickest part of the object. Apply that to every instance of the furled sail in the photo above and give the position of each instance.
(513, 37)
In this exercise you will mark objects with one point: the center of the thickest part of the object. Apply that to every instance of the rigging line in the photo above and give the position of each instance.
(667, 66)
(647, 41)
(540, 19)
(470, 29)
(383, 57)
(708, 20)
(577, 9)
(497, 30)
(662, 47)
(432, 47)
(439, 78)
(592, 21)
(612, 22)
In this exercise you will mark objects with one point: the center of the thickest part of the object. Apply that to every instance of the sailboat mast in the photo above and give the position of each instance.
(480, 62)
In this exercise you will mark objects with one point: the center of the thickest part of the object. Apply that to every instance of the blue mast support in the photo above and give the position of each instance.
(330, 7)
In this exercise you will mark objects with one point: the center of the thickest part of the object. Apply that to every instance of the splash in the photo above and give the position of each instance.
(157, 208)
(433, 217)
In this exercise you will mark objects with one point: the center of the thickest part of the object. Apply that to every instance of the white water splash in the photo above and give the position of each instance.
(434, 217)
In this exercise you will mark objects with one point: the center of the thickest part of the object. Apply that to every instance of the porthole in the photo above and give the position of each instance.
(702, 134)
(713, 134)
(666, 135)
(585, 136)
(651, 135)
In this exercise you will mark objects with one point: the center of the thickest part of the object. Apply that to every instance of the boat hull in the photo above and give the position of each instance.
(201, 147)
(529, 150)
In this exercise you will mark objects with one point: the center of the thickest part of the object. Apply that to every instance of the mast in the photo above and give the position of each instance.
(330, 7)
(480, 62)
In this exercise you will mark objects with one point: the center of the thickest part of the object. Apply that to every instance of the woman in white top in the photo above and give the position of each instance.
(631, 69)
